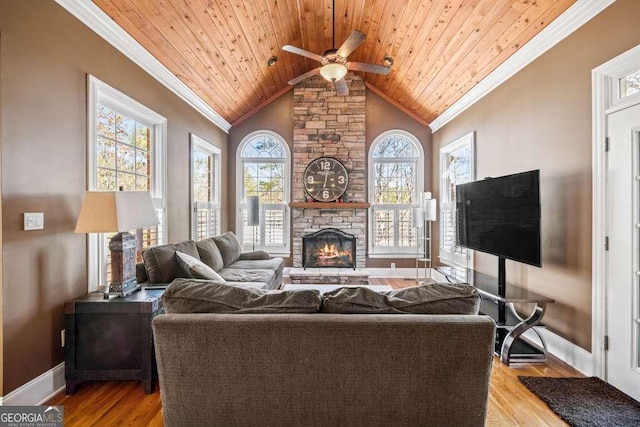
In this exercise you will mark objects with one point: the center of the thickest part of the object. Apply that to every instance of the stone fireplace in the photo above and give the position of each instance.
(329, 247)
(326, 124)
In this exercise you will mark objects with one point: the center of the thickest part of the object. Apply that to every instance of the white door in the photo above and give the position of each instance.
(623, 269)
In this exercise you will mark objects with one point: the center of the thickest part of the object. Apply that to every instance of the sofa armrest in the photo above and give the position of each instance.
(254, 255)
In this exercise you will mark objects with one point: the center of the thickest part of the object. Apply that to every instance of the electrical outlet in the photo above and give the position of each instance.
(62, 333)
(393, 265)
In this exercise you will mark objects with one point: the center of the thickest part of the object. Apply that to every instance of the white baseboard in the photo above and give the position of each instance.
(568, 352)
(38, 390)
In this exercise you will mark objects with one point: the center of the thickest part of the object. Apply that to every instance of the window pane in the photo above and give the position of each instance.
(126, 181)
(106, 180)
(126, 158)
(143, 136)
(264, 146)
(106, 153)
(395, 146)
(106, 122)
(142, 183)
(143, 160)
(630, 84)
(125, 129)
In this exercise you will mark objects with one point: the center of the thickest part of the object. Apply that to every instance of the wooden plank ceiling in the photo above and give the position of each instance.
(442, 48)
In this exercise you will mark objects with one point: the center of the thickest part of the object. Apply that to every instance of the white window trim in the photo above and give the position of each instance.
(407, 252)
(467, 140)
(276, 251)
(198, 143)
(100, 92)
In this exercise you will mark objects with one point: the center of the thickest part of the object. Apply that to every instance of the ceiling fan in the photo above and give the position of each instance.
(334, 61)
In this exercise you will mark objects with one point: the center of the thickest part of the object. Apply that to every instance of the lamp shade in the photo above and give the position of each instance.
(333, 71)
(430, 210)
(418, 217)
(253, 210)
(115, 211)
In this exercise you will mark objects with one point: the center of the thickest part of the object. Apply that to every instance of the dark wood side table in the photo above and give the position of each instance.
(111, 339)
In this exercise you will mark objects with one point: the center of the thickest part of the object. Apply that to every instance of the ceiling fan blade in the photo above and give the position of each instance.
(306, 75)
(369, 68)
(299, 51)
(351, 43)
(341, 87)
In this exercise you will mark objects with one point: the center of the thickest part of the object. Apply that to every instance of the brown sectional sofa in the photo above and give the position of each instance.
(226, 358)
(221, 253)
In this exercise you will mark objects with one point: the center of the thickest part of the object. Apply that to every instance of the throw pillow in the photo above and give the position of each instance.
(437, 298)
(229, 246)
(210, 254)
(199, 296)
(161, 263)
(196, 269)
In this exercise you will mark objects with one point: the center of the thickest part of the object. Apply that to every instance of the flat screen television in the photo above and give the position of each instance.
(501, 216)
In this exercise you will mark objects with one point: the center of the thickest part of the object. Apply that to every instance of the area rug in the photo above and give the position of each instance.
(585, 401)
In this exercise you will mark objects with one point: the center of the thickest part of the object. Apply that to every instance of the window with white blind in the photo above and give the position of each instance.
(205, 189)
(396, 177)
(457, 167)
(263, 161)
(126, 147)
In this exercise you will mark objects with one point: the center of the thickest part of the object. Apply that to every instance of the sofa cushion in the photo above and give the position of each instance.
(437, 298)
(274, 264)
(229, 246)
(253, 275)
(161, 263)
(194, 268)
(199, 296)
(210, 254)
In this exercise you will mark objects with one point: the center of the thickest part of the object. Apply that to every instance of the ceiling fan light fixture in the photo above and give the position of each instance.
(272, 61)
(333, 71)
(388, 60)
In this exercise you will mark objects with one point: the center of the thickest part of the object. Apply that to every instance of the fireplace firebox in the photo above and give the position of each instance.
(329, 247)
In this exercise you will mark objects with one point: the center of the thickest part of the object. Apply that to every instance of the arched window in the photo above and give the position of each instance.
(396, 179)
(264, 171)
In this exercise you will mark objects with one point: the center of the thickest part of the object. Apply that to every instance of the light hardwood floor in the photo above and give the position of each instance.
(125, 403)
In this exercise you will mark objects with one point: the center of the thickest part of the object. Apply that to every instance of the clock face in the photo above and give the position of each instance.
(325, 179)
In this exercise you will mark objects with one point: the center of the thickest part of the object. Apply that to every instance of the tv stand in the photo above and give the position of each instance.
(498, 302)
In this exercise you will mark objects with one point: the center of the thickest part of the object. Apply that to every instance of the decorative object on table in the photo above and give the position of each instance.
(325, 179)
(119, 212)
(585, 401)
(427, 214)
(253, 215)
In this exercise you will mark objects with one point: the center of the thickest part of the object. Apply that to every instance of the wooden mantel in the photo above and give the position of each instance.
(329, 205)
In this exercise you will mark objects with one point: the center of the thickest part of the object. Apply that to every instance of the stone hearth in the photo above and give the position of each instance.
(340, 276)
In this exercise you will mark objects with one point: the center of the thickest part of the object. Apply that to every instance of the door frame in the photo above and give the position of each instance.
(605, 100)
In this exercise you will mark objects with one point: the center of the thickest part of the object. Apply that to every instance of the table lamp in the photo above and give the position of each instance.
(118, 212)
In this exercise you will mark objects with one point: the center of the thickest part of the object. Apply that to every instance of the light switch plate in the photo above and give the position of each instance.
(33, 220)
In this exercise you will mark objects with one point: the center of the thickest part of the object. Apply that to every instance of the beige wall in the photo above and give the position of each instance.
(380, 116)
(541, 119)
(46, 56)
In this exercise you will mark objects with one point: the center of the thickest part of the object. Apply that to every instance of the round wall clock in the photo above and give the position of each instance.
(325, 179)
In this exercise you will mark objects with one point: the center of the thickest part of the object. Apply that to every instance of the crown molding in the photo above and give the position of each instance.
(573, 18)
(99, 22)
